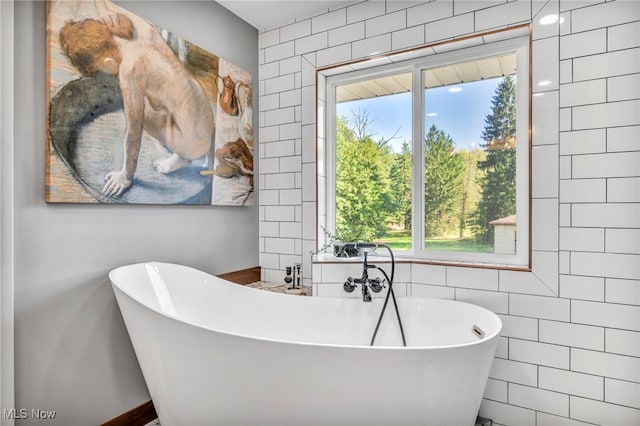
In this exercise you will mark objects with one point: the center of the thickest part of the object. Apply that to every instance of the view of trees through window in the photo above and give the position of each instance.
(469, 167)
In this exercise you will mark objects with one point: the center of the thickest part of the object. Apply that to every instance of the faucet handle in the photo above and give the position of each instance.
(348, 285)
(376, 285)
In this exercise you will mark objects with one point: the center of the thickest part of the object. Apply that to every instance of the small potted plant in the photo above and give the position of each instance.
(344, 244)
(346, 249)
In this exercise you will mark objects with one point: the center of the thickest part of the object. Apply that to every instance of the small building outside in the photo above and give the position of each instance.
(504, 231)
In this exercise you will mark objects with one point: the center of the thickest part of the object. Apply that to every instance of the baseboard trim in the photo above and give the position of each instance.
(138, 416)
(244, 276)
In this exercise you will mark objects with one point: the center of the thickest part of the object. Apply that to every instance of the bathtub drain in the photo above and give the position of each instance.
(477, 331)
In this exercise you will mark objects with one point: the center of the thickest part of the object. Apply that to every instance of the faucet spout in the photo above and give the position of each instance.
(366, 294)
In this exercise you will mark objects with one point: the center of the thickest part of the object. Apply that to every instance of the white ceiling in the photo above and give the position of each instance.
(268, 14)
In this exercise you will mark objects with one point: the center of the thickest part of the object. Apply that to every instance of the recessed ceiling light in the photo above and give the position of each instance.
(455, 89)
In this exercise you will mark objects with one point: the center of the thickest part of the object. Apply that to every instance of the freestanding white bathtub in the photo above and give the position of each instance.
(217, 353)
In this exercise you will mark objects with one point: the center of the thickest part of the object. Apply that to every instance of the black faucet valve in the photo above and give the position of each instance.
(348, 285)
(376, 285)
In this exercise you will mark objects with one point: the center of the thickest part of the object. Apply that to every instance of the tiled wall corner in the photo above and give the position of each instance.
(597, 58)
(570, 347)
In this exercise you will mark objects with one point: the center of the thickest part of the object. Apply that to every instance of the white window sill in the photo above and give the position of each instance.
(328, 258)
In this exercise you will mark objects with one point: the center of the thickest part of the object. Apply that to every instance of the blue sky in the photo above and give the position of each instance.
(460, 114)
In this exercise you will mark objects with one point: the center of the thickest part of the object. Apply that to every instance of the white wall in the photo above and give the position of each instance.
(72, 351)
(6, 210)
(570, 351)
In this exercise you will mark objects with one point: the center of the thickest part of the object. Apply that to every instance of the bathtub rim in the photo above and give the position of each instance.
(487, 338)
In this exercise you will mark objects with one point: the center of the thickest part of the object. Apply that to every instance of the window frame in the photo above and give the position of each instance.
(457, 51)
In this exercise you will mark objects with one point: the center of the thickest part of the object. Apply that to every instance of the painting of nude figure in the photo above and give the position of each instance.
(138, 115)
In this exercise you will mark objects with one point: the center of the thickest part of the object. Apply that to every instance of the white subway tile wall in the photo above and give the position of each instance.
(570, 351)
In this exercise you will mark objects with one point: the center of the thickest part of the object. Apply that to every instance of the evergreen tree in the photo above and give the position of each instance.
(471, 189)
(401, 183)
(443, 183)
(498, 182)
(363, 195)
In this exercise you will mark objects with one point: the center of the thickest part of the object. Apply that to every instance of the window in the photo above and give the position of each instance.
(431, 154)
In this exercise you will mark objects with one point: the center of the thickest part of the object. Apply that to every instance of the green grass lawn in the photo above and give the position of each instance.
(398, 240)
(401, 240)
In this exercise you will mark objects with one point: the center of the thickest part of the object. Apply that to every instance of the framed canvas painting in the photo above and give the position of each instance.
(138, 115)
